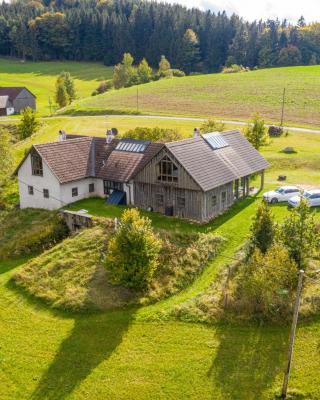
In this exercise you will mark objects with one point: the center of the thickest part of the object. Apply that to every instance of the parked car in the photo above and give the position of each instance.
(312, 197)
(282, 194)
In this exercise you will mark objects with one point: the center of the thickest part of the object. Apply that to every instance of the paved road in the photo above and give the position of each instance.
(229, 122)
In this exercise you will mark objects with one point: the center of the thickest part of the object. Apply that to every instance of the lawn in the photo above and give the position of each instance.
(232, 96)
(40, 77)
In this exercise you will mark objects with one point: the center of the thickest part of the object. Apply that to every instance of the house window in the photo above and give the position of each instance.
(167, 171)
(223, 197)
(159, 199)
(108, 186)
(46, 193)
(91, 187)
(181, 202)
(74, 192)
(213, 201)
(36, 165)
(30, 190)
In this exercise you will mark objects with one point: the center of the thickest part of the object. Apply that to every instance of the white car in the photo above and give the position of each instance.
(312, 197)
(282, 194)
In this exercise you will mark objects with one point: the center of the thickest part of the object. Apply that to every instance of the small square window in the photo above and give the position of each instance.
(30, 190)
(213, 201)
(46, 193)
(181, 202)
(224, 196)
(91, 187)
(74, 192)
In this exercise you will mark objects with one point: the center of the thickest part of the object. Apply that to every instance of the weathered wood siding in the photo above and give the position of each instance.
(149, 173)
(147, 195)
(222, 201)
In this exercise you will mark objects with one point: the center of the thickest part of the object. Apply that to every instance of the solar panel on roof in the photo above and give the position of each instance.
(132, 145)
(215, 140)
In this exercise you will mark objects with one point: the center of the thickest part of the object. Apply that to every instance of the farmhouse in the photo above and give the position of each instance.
(196, 178)
(15, 99)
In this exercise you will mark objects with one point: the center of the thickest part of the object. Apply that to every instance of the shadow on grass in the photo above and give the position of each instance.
(248, 359)
(92, 340)
(8, 265)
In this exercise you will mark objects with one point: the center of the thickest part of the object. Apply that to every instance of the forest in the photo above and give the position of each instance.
(192, 40)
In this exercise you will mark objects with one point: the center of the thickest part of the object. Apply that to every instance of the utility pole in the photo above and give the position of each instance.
(292, 335)
(137, 99)
(282, 109)
(50, 106)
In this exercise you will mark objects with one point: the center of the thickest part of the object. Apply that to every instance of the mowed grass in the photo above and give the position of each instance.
(40, 78)
(228, 96)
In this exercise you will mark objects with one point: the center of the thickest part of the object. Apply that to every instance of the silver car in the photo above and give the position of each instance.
(282, 194)
(312, 197)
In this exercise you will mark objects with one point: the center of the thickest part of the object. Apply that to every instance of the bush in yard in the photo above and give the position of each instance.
(28, 124)
(262, 230)
(300, 235)
(256, 133)
(133, 252)
(266, 284)
(154, 134)
(211, 126)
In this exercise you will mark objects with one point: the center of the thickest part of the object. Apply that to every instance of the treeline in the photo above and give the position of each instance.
(192, 40)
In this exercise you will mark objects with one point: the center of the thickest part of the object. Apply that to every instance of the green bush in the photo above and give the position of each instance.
(133, 252)
(178, 73)
(154, 134)
(234, 68)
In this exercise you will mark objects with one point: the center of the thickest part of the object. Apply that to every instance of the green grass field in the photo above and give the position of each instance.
(40, 77)
(233, 96)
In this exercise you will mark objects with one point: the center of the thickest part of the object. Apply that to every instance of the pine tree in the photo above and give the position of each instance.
(62, 98)
(28, 123)
(189, 53)
(164, 67)
(262, 230)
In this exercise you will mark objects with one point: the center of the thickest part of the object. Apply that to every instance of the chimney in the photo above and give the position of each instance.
(196, 133)
(109, 137)
(62, 135)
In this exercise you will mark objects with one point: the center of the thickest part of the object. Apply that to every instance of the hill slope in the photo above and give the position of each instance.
(40, 77)
(220, 95)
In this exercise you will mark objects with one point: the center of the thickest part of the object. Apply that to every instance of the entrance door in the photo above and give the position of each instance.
(168, 202)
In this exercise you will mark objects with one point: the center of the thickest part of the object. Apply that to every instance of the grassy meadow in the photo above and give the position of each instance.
(229, 96)
(40, 78)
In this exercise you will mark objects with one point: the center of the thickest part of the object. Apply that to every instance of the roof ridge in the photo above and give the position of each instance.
(84, 139)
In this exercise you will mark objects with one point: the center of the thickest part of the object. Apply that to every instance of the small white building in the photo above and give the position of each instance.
(6, 106)
(53, 175)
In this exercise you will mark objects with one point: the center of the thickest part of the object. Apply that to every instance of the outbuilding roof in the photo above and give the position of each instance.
(212, 167)
(13, 92)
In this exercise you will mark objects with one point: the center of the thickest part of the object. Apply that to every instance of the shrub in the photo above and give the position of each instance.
(103, 87)
(266, 285)
(177, 73)
(154, 134)
(212, 126)
(234, 68)
(132, 256)
(256, 132)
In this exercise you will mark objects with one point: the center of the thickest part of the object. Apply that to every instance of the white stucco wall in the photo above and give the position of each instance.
(47, 181)
(59, 194)
(83, 190)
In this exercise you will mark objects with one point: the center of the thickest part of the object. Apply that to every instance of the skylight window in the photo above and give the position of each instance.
(132, 146)
(215, 140)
